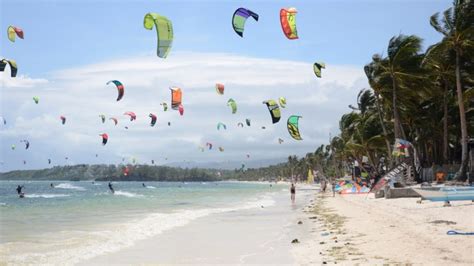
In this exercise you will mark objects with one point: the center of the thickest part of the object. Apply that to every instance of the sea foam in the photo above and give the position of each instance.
(127, 234)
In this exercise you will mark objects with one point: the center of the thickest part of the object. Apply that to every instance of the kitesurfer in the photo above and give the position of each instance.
(143, 184)
(18, 189)
(111, 188)
(52, 186)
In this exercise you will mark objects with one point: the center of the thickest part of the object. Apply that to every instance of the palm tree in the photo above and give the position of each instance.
(456, 25)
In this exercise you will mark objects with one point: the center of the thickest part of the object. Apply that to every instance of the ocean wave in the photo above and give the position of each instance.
(100, 242)
(46, 196)
(69, 186)
(127, 194)
(150, 187)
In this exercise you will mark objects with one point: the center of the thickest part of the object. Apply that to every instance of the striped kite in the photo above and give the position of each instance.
(293, 128)
(288, 22)
(239, 18)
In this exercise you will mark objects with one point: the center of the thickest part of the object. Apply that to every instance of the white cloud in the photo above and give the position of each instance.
(81, 95)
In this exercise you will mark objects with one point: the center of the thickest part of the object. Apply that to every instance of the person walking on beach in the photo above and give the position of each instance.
(293, 192)
(111, 188)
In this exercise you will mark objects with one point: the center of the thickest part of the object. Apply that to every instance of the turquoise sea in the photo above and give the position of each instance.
(79, 220)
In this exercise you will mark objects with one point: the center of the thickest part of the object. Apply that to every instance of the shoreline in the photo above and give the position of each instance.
(259, 235)
(359, 229)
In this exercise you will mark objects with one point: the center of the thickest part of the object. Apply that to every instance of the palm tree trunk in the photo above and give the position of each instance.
(461, 174)
(445, 123)
(384, 129)
(396, 117)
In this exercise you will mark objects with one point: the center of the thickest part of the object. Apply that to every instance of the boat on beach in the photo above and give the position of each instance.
(446, 193)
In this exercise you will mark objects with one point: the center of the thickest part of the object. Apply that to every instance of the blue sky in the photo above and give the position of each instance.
(72, 48)
(67, 33)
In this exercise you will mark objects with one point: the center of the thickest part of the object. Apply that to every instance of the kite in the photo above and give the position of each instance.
(13, 66)
(165, 106)
(152, 161)
(49, 161)
(220, 88)
(293, 128)
(176, 95)
(63, 119)
(164, 32)
(132, 115)
(288, 22)
(114, 119)
(247, 121)
(221, 149)
(125, 171)
(274, 110)
(248, 155)
(208, 144)
(233, 105)
(12, 31)
(239, 18)
(263, 127)
(120, 88)
(36, 99)
(181, 109)
(201, 148)
(282, 102)
(13, 146)
(317, 68)
(105, 138)
(27, 143)
(24, 162)
(169, 124)
(4, 120)
(153, 119)
(102, 117)
(220, 124)
(280, 141)
(240, 124)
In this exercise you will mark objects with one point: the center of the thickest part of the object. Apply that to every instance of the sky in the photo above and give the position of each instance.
(72, 48)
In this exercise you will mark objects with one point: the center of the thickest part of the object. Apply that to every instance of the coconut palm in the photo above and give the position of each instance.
(456, 26)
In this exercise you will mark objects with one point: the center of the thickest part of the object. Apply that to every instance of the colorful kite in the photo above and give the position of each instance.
(293, 128)
(153, 119)
(239, 18)
(165, 106)
(164, 32)
(132, 115)
(220, 124)
(282, 102)
(288, 22)
(105, 138)
(12, 31)
(63, 119)
(317, 68)
(114, 119)
(36, 99)
(233, 105)
(176, 95)
(102, 117)
(274, 110)
(181, 109)
(220, 88)
(120, 88)
(12, 64)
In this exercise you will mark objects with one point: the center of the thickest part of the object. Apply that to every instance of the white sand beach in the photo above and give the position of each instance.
(352, 229)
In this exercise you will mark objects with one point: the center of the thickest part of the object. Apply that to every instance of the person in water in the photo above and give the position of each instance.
(111, 188)
(52, 186)
(293, 192)
(18, 189)
(143, 184)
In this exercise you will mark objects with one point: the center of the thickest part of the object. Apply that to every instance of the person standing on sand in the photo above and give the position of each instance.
(293, 192)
